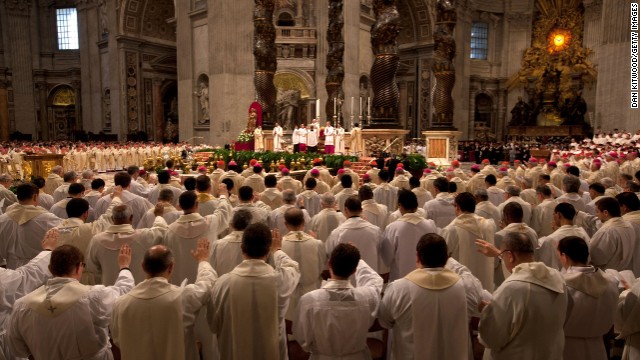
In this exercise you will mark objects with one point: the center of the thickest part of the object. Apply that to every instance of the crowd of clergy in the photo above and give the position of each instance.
(521, 262)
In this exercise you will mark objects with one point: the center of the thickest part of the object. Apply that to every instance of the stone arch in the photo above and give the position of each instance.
(285, 17)
(61, 109)
(147, 19)
(298, 80)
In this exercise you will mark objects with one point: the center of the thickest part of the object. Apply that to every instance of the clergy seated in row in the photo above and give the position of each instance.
(23, 226)
(563, 221)
(400, 238)
(276, 217)
(310, 199)
(257, 292)
(139, 205)
(156, 319)
(525, 318)
(358, 231)
(15, 284)
(461, 233)
(327, 219)
(65, 319)
(104, 246)
(333, 322)
(427, 303)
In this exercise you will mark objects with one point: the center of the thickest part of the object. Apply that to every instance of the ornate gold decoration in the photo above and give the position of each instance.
(290, 81)
(47, 167)
(556, 48)
(64, 96)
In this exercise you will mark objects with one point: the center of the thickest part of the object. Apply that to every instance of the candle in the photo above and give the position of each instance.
(318, 109)
(369, 108)
(335, 106)
(360, 112)
(352, 105)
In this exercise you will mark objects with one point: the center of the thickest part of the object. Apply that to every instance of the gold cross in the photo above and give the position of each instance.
(51, 308)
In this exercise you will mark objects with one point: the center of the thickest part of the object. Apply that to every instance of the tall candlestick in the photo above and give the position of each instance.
(352, 99)
(318, 109)
(360, 112)
(369, 106)
(335, 106)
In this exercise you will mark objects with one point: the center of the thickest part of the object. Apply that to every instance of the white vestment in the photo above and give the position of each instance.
(461, 235)
(333, 322)
(324, 222)
(248, 306)
(496, 195)
(386, 194)
(139, 205)
(399, 240)
(137, 329)
(542, 217)
(423, 196)
(22, 229)
(548, 245)
(8, 196)
(226, 253)
(487, 210)
(440, 210)
(627, 321)
(102, 254)
(155, 192)
(61, 192)
(525, 319)
(526, 208)
(170, 215)
(362, 234)
(52, 183)
(272, 197)
(613, 245)
(311, 257)
(421, 308)
(593, 296)
(375, 213)
(66, 320)
(46, 201)
(574, 199)
(311, 201)
(276, 219)
(256, 182)
(15, 284)
(343, 195)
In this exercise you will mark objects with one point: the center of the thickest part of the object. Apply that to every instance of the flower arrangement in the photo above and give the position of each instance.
(245, 136)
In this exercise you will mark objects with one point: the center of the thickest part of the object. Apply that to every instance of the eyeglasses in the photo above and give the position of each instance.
(500, 255)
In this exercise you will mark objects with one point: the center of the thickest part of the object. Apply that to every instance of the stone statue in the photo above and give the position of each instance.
(203, 97)
(287, 104)
(252, 121)
(103, 17)
(578, 110)
(520, 113)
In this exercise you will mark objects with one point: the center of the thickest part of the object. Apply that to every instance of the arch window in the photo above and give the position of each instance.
(286, 19)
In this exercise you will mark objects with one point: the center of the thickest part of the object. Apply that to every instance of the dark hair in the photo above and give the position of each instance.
(346, 181)
(513, 211)
(414, 182)
(230, 184)
(75, 189)
(132, 170)
(491, 180)
(38, 181)
(544, 190)
(190, 184)
(26, 191)
(69, 176)
(344, 260)
(575, 248)
(610, 205)
(432, 251)
(256, 241)
(294, 217)
(97, 184)
(442, 184)
(365, 193)
(466, 202)
(383, 175)
(203, 183)
(453, 187)
(77, 207)
(597, 187)
(169, 164)
(122, 179)
(545, 177)
(573, 170)
(166, 195)
(257, 169)
(311, 183)
(566, 210)
(270, 181)
(245, 193)
(630, 200)
(156, 261)
(408, 200)
(633, 186)
(64, 259)
(353, 204)
(164, 177)
(188, 200)
(241, 219)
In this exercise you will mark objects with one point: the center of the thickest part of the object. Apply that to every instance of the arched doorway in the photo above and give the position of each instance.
(62, 113)
(171, 121)
(483, 117)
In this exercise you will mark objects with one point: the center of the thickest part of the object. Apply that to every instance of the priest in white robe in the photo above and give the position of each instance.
(525, 319)
(310, 199)
(15, 284)
(399, 240)
(593, 297)
(563, 220)
(441, 208)
(630, 208)
(333, 322)
(485, 209)
(461, 234)
(163, 183)
(542, 214)
(613, 245)
(327, 219)
(157, 312)
(512, 193)
(386, 194)
(169, 213)
(627, 321)
(426, 304)
(23, 226)
(7, 197)
(54, 180)
(64, 319)
(61, 191)
(276, 217)
(347, 191)
(271, 195)
(248, 305)
(226, 253)
(139, 205)
(375, 213)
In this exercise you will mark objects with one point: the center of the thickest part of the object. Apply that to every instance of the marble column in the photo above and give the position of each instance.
(299, 13)
(43, 121)
(21, 60)
(158, 111)
(76, 85)
(5, 125)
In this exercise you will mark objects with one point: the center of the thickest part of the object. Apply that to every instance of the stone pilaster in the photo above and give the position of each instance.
(5, 125)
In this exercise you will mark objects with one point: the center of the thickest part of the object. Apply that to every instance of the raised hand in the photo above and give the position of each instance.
(276, 242)
(201, 253)
(124, 256)
(51, 239)
(486, 248)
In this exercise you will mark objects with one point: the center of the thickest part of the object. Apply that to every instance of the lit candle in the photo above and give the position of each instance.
(335, 106)
(360, 112)
(318, 109)
(369, 108)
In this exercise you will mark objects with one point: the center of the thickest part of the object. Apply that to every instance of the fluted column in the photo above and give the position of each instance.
(5, 125)
(384, 35)
(158, 111)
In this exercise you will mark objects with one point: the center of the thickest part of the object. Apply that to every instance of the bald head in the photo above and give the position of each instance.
(158, 262)
(294, 219)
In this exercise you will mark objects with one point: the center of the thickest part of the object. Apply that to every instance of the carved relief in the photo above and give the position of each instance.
(374, 144)
(132, 92)
(18, 7)
(106, 109)
(155, 23)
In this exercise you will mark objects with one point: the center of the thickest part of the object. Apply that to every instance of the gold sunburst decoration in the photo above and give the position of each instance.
(558, 40)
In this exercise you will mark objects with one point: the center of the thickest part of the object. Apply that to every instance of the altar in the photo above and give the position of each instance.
(40, 164)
